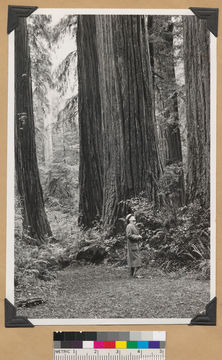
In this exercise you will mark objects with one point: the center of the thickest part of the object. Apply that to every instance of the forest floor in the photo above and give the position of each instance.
(103, 291)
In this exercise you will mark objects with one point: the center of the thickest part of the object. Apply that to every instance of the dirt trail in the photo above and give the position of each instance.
(108, 292)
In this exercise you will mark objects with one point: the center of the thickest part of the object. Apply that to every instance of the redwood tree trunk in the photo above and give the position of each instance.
(129, 153)
(197, 81)
(35, 223)
(90, 127)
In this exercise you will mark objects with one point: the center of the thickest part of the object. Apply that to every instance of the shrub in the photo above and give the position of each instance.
(175, 241)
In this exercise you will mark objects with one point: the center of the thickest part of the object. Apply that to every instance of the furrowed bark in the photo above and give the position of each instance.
(90, 126)
(35, 223)
(127, 132)
(197, 77)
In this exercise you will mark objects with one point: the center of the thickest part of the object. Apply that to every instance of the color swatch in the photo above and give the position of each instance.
(110, 340)
(109, 344)
(136, 345)
(110, 336)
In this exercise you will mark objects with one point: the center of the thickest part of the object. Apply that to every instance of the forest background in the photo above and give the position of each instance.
(127, 130)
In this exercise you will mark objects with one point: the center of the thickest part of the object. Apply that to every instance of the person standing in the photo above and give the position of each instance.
(133, 237)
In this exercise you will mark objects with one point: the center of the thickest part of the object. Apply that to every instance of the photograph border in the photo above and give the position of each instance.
(10, 169)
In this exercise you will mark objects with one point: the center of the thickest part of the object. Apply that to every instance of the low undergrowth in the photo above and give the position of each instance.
(174, 240)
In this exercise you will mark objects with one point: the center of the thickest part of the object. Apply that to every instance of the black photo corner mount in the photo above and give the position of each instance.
(210, 15)
(208, 317)
(14, 12)
(13, 321)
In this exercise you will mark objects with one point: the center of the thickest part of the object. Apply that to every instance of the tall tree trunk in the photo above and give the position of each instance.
(129, 153)
(35, 223)
(90, 126)
(167, 98)
(197, 82)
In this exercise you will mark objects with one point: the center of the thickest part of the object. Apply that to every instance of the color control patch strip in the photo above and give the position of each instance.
(110, 336)
(108, 344)
(143, 345)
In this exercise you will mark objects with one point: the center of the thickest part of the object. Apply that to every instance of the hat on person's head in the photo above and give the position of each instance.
(128, 217)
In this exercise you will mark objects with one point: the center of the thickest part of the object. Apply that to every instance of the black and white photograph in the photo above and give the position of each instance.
(111, 171)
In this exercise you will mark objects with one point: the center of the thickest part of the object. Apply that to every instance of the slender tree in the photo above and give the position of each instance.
(197, 81)
(166, 96)
(40, 44)
(120, 83)
(35, 223)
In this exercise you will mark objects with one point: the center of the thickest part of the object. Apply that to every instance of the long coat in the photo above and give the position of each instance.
(133, 237)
